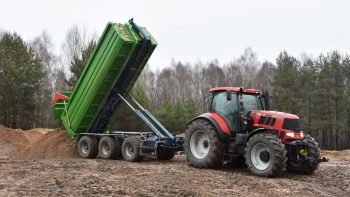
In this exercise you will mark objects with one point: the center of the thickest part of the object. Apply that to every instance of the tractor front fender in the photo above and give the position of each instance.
(261, 130)
(218, 122)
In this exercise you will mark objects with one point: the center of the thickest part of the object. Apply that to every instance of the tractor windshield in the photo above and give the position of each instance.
(251, 102)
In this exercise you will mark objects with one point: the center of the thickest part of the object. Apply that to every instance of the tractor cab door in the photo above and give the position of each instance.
(249, 102)
(226, 106)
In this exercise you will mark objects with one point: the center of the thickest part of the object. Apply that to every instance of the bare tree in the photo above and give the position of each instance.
(248, 64)
(264, 76)
(60, 79)
(43, 47)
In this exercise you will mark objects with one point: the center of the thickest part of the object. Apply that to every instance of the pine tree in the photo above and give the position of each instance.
(287, 84)
(21, 83)
(78, 63)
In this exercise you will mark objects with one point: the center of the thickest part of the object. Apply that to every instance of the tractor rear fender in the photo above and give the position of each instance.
(218, 122)
(261, 130)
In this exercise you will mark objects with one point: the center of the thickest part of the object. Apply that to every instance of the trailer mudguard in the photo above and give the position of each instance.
(218, 122)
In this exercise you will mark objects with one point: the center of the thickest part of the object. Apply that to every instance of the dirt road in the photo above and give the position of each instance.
(49, 166)
(80, 177)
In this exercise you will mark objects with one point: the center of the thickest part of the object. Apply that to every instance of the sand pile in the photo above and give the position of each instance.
(35, 144)
(53, 145)
(15, 140)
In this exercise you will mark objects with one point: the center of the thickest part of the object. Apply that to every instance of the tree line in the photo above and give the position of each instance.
(316, 89)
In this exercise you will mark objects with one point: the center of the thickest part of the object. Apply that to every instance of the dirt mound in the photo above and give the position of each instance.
(15, 140)
(343, 155)
(53, 145)
(37, 143)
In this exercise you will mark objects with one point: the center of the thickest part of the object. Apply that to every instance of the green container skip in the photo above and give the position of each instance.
(113, 68)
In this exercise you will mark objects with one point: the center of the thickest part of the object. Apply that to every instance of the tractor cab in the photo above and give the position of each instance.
(235, 104)
(248, 110)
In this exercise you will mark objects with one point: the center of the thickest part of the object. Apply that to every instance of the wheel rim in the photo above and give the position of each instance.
(260, 156)
(129, 150)
(105, 148)
(85, 148)
(199, 144)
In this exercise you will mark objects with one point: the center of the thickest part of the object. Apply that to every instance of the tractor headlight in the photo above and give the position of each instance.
(290, 134)
(301, 134)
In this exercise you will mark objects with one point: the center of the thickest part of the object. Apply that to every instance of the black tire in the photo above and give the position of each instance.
(131, 149)
(265, 155)
(164, 154)
(109, 148)
(88, 147)
(213, 158)
(306, 168)
(237, 162)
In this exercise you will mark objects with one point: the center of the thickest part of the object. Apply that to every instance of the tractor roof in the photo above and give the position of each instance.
(235, 89)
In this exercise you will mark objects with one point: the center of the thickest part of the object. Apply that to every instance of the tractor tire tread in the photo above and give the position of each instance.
(215, 155)
(279, 155)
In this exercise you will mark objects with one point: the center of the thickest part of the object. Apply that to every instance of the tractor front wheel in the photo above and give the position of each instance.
(203, 146)
(313, 152)
(265, 155)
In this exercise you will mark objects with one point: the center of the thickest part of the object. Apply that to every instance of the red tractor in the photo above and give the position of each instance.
(239, 126)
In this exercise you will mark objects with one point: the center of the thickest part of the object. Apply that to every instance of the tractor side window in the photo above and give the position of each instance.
(226, 108)
(251, 102)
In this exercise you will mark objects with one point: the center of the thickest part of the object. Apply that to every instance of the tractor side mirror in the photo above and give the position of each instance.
(228, 95)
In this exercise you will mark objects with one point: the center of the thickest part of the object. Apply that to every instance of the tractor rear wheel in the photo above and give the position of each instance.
(203, 146)
(265, 155)
(109, 148)
(88, 147)
(131, 149)
(313, 151)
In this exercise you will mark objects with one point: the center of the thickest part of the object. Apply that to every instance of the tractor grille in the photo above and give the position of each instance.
(267, 121)
(291, 124)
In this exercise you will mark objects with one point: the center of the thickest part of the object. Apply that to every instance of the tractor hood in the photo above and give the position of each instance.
(274, 114)
(278, 121)
(286, 125)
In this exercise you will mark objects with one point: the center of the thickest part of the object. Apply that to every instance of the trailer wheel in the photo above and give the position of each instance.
(164, 154)
(109, 148)
(265, 155)
(203, 146)
(88, 147)
(131, 149)
(313, 151)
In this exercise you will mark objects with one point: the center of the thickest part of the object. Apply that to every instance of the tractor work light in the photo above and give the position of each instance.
(290, 134)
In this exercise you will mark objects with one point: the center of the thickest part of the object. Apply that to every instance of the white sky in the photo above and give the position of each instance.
(192, 30)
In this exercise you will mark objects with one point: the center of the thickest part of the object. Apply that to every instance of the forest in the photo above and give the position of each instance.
(317, 89)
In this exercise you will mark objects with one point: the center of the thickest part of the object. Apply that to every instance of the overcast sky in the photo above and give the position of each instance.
(191, 30)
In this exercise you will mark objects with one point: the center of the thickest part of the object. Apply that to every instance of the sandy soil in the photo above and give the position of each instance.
(13, 141)
(42, 170)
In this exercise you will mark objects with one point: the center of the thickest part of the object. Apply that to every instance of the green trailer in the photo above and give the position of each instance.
(120, 55)
(113, 68)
